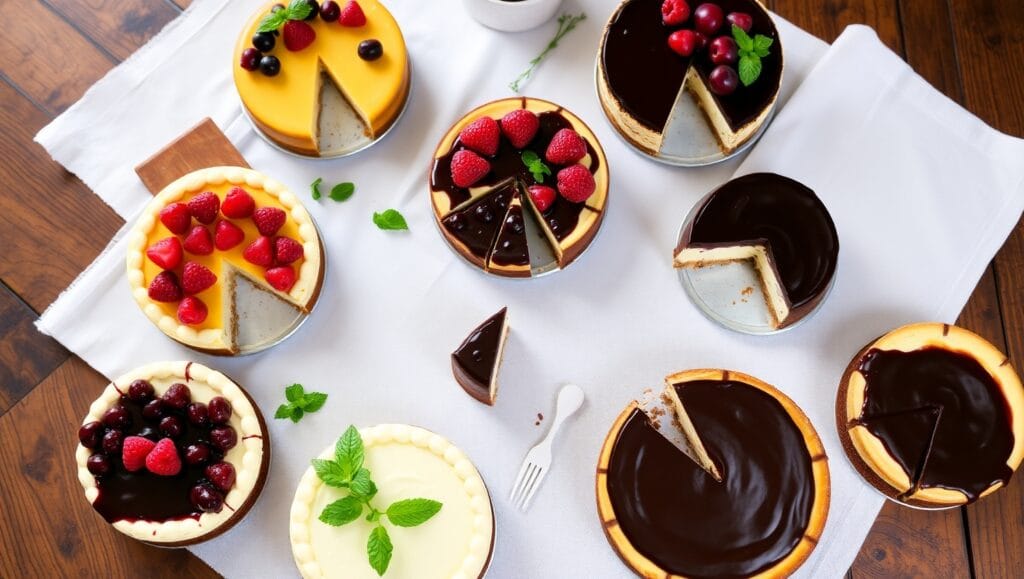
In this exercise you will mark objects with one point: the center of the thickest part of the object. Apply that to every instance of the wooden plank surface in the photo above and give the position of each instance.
(26, 356)
(202, 146)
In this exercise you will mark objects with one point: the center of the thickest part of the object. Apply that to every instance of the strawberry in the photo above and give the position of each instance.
(238, 204)
(163, 459)
(191, 311)
(542, 196)
(575, 183)
(566, 147)
(164, 287)
(481, 135)
(468, 168)
(196, 278)
(204, 207)
(297, 35)
(227, 235)
(166, 253)
(199, 241)
(280, 278)
(520, 127)
(176, 217)
(674, 12)
(287, 250)
(352, 15)
(134, 452)
(260, 252)
(268, 220)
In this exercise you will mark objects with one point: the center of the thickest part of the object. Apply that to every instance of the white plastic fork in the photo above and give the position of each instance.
(538, 459)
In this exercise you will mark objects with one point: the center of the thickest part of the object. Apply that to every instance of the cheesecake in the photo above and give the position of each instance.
(207, 231)
(476, 361)
(777, 224)
(327, 85)
(644, 69)
(173, 453)
(932, 415)
(542, 155)
(405, 462)
(749, 497)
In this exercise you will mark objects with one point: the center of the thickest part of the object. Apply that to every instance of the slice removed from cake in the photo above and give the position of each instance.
(476, 361)
(698, 452)
(510, 255)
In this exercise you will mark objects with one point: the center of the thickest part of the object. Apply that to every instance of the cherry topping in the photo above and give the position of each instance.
(223, 438)
(98, 464)
(172, 426)
(723, 80)
(219, 410)
(329, 11)
(708, 18)
(198, 414)
(197, 453)
(90, 434)
(685, 42)
(206, 498)
(112, 442)
(250, 59)
(117, 417)
(153, 409)
(741, 19)
(177, 396)
(723, 50)
(140, 391)
(370, 49)
(222, 475)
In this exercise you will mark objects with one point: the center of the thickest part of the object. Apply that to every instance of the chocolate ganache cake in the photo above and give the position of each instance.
(778, 224)
(750, 499)
(932, 415)
(476, 361)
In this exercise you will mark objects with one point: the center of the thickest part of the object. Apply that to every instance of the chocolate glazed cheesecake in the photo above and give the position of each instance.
(932, 415)
(778, 224)
(476, 361)
(751, 499)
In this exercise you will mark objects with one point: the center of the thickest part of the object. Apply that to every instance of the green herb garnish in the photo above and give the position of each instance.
(315, 186)
(299, 403)
(296, 10)
(566, 23)
(342, 191)
(346, 471)
(391, 219)
(535, 165)
(751, 51)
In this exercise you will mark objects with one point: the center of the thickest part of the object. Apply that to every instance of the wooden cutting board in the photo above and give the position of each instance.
(200, 147)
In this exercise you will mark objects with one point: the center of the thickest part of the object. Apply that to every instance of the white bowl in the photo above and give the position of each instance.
(512, 16)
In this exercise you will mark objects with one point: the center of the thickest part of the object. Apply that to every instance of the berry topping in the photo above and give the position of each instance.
(329, 11)
(198, 414)
(153, 409)
(111, 444)
(140, 391)
(220, 410)
(98, 464)
(221, 474)
(116, 417)
(238, 204)
(484, 212)
(370, 50)
(314, 9)
(177, 396)
(566, 147)
(199, 241)
(723, 50)
(90, 434)
(674, 12)
(192, 311)
(206, 498)
(268, 220)
(196, 277)
(481, 136)
(281, 278)
(260, 252)
(708, 18)
(520, 127)
(542, 196)
(172, 426)
(227, 235)
(223, 438)
(204, 207)
(166, 253)
(352, 15)
(468, 168)
(575, 183)
(135, 451)
(287, 250)
(741, 19)
(197, 453)
(176, 217)
(163, 459)
(164, 287)
(685, 42)
(263, 41)
(270, 65)
(723, 80)
(297, 35)
(250, 59)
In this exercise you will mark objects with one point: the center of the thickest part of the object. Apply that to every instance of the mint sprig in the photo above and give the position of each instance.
(342, 191)
(296, 10)
(390, 219)
(751, 51)
(346, 471)
(566, 24)
(535, 165)
(315, 188)
(299, 403)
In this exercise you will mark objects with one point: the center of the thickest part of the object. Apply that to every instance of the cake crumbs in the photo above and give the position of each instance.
(747, 291)
(540, 418)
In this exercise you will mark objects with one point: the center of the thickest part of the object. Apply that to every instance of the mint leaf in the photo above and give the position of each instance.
(390, 220)
(313, 401)
(412, 512)
(535, 165)
(761, 45)
(297, 10)
(750, 69)
(294, 392)
(348, 451)
(342, 191)
(315, 186)
(342, 511)
(529, 157)
(272, 22)
(743, 40)
(361, 484)
(379, 549)
(331, 473)
(285, 411)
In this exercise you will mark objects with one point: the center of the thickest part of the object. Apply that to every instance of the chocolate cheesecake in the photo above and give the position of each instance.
(778, 224)
(932, 415)
(476, 361)
(472, 228)
(511, 253)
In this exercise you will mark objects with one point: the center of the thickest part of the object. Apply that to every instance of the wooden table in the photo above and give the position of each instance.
(51, 51)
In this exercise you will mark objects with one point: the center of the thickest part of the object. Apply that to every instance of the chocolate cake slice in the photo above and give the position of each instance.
(476, 361)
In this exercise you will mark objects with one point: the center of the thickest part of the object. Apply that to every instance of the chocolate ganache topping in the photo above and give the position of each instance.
(475, 358)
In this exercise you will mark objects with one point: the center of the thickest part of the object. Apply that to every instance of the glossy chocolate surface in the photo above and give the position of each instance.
(476, 225)
(476, 357)
(510, 248)
(677, 515)
(949, 422)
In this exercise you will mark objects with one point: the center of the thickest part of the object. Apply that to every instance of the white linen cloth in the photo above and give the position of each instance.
(922, 193)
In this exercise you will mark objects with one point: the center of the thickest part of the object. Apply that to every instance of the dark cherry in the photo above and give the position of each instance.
(330, 11)
(250, 59)
(197, 453)
(198, 414)
(98, 464)
(117, 417)
(177, 396)
(90, 434)
(222, 475)
(219, 410)
(270, 65)
(723, 50)
(708, 18)
(314, 9)
(723, 80)
(140, 391)
(685, 42)
(370, 49)
(223, 437)
(741, 19)
(263, 41)
(172, 426)
(206, 498)
(153, 409)
(112, 442)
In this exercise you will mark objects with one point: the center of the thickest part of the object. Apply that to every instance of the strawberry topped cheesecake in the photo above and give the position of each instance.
(203, 231)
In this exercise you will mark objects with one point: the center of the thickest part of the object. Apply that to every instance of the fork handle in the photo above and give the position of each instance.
(570, 398)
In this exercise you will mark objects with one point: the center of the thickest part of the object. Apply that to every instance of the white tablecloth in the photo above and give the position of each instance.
(923, 194)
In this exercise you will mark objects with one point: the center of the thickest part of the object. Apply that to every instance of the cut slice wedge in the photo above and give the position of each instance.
(476, 361)
(473, 228)
(905, 471)
(510, 254)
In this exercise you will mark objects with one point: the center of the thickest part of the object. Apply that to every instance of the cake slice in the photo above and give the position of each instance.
(473, 228)
(672, 384)
(511, 253)
(920, 424)
(476, 361)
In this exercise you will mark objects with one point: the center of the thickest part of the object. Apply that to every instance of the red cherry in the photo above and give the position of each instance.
(723, 80)
(685, 42)
(708, 18)
(250, 59)
(723, 50)
(741, 19)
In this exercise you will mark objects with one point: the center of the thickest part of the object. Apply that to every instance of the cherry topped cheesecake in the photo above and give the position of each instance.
(932, 415)
(514, 160)
(173, 453)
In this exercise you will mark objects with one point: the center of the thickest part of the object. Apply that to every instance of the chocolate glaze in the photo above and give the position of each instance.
(474, 360)
(645, 75)
(953, 430)
(510, 247)
(676, 514)
(781, 213)
(476, 225)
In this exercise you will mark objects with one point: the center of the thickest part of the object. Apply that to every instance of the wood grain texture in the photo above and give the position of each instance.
(202, 146)
(906, 542)
(26, 356)
(828, 18)
(119, 26)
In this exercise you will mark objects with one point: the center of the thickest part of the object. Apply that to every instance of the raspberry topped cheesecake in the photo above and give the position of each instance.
(202, 232)
(173, 453)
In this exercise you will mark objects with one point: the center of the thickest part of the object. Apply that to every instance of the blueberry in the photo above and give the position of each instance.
(370, 49)
(270, 65)
(263, 41)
